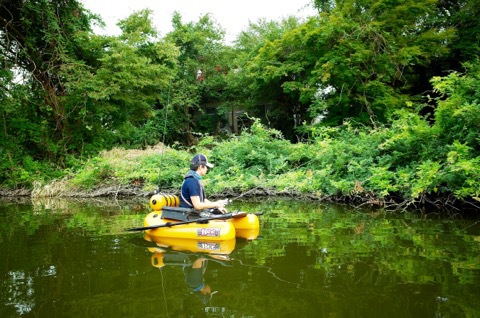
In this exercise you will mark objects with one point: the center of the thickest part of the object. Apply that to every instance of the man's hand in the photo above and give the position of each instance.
(220, 205)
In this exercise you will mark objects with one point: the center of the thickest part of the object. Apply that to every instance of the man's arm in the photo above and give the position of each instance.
(207, 204)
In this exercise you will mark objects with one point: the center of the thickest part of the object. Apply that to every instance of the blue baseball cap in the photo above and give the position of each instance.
(201, 159)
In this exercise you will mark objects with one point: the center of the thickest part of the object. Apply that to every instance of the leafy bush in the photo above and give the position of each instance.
(257, 151)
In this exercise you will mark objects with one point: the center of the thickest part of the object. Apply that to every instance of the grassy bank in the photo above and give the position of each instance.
(391, 166)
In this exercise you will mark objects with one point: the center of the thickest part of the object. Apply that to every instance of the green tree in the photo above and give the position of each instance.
(370, 53)
(261, 69)
(201, 68)
(115, 94)
(36, 40)
(67, 91)
(463, 16)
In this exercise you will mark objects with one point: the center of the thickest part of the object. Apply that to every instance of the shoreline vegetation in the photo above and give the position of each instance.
(339, 167)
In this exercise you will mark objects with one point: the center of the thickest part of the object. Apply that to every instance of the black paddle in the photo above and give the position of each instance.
(200, 221)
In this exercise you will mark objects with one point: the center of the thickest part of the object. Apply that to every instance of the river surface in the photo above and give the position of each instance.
(73, 258)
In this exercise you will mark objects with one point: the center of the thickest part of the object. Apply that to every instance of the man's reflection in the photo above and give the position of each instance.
(194, 278)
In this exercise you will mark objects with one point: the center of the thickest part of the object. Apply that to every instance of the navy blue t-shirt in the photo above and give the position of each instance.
(191, 187)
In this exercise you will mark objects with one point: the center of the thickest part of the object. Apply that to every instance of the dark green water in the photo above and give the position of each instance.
(73, 259)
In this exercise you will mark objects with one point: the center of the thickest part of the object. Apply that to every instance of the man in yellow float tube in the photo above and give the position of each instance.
(192, 194)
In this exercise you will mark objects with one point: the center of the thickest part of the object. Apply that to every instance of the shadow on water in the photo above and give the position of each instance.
(64, 258)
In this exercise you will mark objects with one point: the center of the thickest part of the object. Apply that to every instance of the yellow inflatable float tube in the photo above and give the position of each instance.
(246, 226)
(215, 230)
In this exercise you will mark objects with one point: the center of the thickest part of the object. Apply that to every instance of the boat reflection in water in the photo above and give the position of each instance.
(193, 257)
(167, 246)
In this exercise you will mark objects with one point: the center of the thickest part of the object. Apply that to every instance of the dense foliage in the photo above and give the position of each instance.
(368, 98)
(343, 162)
